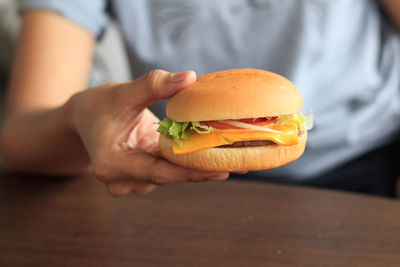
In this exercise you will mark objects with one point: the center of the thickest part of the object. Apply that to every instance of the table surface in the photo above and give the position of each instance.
(73, 222)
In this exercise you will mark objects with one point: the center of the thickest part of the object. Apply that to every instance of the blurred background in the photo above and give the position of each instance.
(106, 66)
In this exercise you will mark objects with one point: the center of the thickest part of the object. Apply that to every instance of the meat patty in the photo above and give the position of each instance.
(248, 143)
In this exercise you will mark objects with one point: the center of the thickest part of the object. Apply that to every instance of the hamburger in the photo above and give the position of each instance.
(235, 120)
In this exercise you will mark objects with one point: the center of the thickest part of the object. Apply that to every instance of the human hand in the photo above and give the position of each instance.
(119, 133)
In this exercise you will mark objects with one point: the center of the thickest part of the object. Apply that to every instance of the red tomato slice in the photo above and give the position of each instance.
(219, 125)
(258, 122)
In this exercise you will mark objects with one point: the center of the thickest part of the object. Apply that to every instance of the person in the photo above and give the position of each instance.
(343, 55)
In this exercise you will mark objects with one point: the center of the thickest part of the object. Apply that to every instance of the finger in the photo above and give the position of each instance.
(156, 85)
(122, 187)
(139, 166)
(145, 135)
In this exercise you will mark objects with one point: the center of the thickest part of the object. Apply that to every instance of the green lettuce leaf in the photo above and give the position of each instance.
(184, 134)
(303, 122)
(201, 128)
(179, 130)
(164, 125)
(309, 122)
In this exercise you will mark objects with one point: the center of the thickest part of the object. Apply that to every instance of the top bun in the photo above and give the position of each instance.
(235, 94)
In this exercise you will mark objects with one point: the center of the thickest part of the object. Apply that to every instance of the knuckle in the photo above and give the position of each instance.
(186, 177)
(153, 79)
(158, 175)
(102, 172)
(159, 180)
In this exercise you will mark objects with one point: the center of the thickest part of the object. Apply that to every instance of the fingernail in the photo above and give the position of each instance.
(177, 77)
(218, 178)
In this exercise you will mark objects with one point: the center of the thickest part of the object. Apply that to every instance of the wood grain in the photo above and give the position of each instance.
(73, 222)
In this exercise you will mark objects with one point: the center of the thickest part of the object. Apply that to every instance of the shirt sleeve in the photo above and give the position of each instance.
(90, 14)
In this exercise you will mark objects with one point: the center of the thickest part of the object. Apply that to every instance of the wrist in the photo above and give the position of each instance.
(70, 112)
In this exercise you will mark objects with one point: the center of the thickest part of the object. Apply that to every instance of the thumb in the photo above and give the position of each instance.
(156, 85)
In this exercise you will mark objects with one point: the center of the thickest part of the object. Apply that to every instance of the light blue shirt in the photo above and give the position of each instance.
(342, 55)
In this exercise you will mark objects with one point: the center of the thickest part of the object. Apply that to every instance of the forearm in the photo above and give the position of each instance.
(51, 64)
(43, 142)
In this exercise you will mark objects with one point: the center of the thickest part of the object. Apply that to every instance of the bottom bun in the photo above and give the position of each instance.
(235, 159)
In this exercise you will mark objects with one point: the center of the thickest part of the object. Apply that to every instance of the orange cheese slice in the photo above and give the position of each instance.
(287, 136)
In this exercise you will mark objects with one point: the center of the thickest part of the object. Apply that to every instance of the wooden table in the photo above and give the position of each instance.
(73, 222)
